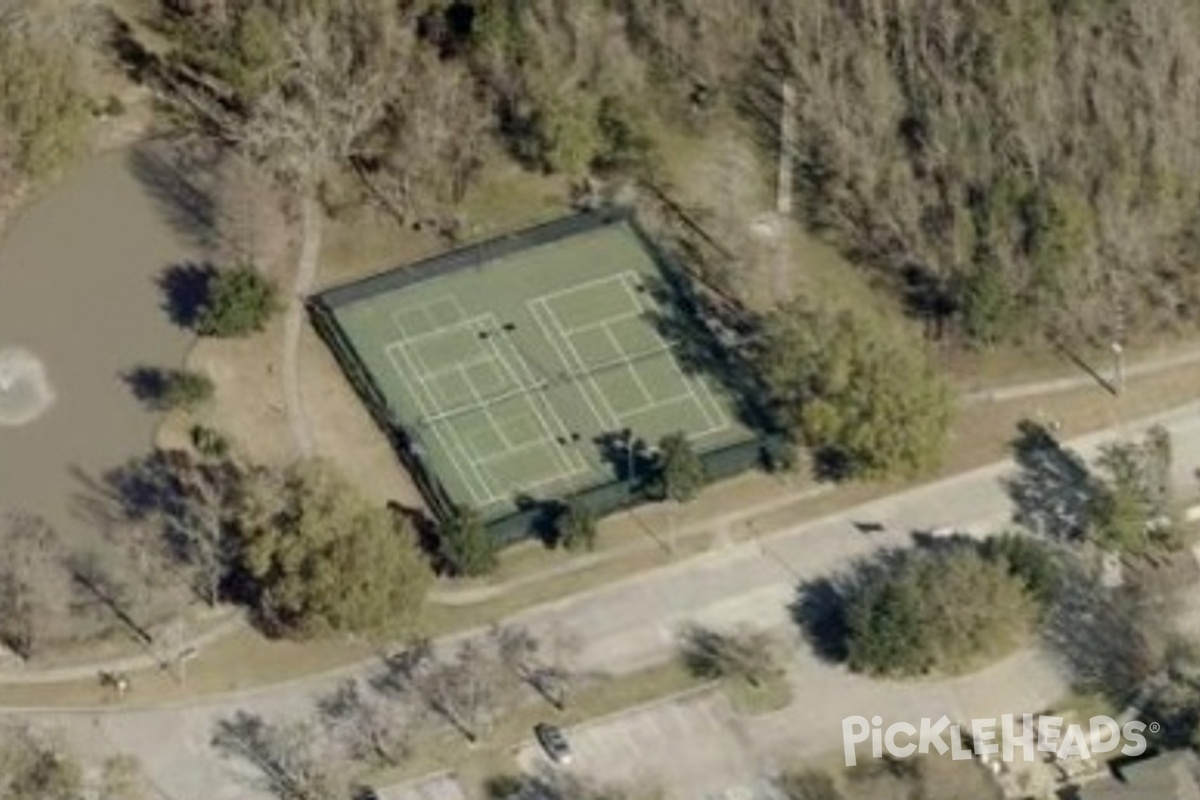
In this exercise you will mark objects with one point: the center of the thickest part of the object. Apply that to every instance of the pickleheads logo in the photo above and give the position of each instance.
(1027, 734)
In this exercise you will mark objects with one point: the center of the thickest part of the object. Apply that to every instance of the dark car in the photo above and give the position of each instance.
(553, 741)
(365, 793)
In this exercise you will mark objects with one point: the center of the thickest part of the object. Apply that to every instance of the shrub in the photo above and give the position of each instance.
(575, 526)
(186, 390)
(467, 546)
(240, 302)
(170, 389)
(209, 442)
(915, 612)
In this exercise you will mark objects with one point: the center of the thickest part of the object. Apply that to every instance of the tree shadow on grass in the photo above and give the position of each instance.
(1112, 641)
(1053, 490)
(185, 288)
(820, 611)
(172, 173)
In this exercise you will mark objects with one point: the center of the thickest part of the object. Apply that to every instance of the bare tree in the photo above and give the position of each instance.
(35, 586)
(368, 723)
(522, 654)
(465, 690)
(122, 778)
(746, 654)
(292, 759)
(209, 495)
(250, 224)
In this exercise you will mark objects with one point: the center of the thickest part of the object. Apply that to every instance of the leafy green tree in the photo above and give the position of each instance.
(989, 309)
(568, 132)
(35, 766)
(240, 302)
(914, 612)
(679, 472)
(185, 389)
(467, 546)
(575, 525)
(322, 560)
(1132, 511)
(627, 143)
(43, 110)
(1030, 559)
(864, 397)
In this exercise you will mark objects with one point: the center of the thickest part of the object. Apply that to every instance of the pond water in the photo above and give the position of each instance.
(80, 307)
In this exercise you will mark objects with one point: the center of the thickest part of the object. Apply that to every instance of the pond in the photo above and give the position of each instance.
(80, 307)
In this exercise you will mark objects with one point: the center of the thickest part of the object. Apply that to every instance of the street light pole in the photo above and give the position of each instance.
(627, 438)
(1118, 366)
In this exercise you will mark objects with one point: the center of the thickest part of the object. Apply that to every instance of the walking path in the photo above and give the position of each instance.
(233, 622)
(1059, 385)
(306, 273)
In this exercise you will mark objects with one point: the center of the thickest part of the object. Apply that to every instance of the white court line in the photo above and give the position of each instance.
(564, 460)
(396, 315)
(619, 419)
(424, 309)
(582, 367)
(451, 434)
(480, 465)
(533, 305)
(487, 411)
(637, 379)
(721, 421)
(449, 437)
(390, 351)
(579, 287)
(604, 322)
(679, 398)
(452, 442)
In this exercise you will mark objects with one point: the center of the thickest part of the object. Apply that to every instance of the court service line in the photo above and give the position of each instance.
(637, 380)
(721, 420)
(581, 365)
(563, 462)
(534, 305)
(451, 434)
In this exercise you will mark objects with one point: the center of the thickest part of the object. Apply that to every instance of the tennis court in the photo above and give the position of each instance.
(506, 367)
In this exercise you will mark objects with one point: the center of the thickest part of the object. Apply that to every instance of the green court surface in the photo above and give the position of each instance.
(505, 371)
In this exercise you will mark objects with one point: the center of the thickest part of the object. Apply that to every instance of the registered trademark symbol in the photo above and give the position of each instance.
(1154, 727)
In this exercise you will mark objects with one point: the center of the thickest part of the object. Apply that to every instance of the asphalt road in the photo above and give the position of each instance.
(634, 623)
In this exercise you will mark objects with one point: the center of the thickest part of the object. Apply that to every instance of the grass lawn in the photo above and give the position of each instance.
(774, 694)
(981, 435)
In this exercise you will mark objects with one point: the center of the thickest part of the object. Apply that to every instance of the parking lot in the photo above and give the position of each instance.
(692, 748)
(439, 787)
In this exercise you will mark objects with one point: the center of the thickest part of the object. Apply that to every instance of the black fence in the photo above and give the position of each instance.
(531, 517)
(472, 256)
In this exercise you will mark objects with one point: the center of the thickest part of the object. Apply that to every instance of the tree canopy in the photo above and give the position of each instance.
(679, 471)
(467, 546)
(322, 560)
(43, 109)
(1131, 509)
(863, 397)
(946, 609)
(240, 301)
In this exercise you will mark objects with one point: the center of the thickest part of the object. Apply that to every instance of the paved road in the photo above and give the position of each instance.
(634, 623)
